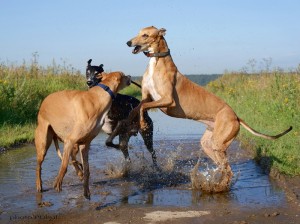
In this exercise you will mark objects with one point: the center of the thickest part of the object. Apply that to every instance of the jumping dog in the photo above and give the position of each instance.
(164, 87)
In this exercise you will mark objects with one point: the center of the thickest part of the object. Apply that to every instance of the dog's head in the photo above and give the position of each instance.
(92, 74)
(147, 39)
(119, 78)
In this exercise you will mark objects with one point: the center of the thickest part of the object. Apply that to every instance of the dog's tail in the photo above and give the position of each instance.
(57, 147)
(251, 130)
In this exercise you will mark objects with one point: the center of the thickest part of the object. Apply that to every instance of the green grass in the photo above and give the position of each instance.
(269, 103)
(22, 89)
(16, 134)
(133, 90)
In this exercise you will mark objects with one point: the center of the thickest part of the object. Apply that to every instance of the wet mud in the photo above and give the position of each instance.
(138, 192)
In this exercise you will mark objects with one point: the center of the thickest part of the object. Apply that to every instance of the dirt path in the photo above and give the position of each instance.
(136, 214)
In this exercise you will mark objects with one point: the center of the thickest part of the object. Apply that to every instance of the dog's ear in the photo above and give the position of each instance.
(162, 32)
(100, 76)
(100, 68)
(89, 62)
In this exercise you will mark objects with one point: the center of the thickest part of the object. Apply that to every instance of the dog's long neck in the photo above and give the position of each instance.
(113, 86)
(161, 46)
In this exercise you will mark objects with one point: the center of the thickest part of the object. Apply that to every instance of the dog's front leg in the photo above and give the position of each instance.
(68, 147)
(121, 125)
(84, 150)
(161, 103)
(133, 114)
(77, 165)
(124, 138)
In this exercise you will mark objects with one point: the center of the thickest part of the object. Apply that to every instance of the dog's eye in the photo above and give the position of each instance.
(145, 35)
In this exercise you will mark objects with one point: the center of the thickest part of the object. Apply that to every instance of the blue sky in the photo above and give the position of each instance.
(204, 36)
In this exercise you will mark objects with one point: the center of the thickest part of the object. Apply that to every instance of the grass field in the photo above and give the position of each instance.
(268, 102)
(22, 89)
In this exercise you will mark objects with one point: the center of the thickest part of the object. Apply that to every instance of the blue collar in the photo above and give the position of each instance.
(107, 89)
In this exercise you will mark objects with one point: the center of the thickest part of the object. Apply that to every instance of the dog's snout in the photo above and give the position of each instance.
(89, 83)
(128, 79)
(129, 43)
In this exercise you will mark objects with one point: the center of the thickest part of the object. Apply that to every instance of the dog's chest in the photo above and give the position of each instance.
(102, 119)
(148, 80)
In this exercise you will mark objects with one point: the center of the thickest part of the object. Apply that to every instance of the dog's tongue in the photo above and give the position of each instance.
(136, 49)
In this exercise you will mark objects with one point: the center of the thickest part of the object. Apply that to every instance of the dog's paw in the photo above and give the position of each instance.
(57, 186)
(134, 131)
(87, 194)
(39, 189)
(143, 125)
(110, 144)
(80, 175)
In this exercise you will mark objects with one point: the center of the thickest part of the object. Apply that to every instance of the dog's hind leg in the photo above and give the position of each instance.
(218, 155)
(147, 135)
(77, 165)
(225, 130)
(214, 150)
(124, 139)
(115, 132)
(43, 138)
(226, 127)
(206, 144)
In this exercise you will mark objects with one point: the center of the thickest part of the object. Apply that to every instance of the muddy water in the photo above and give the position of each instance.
(176, 142)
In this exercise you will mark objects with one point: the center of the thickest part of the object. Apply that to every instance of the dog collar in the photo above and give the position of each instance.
(107, 89)
(160, 55)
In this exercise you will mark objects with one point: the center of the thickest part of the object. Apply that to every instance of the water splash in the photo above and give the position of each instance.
(117, 170)
(212, 180)
(173, 169)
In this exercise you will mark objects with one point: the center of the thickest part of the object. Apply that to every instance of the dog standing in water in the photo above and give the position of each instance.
(75, 117)
(164, 87)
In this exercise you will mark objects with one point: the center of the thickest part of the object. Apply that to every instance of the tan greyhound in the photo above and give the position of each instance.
(164, 87)
(74, 117)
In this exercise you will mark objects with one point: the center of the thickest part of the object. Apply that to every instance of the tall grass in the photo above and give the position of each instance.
(22, 89)
(133, 90)
(270, 103)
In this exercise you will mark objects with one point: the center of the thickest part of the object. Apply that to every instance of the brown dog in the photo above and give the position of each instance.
(74, 117)
(164, 87)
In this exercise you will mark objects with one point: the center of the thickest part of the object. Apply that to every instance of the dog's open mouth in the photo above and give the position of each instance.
(136, 49)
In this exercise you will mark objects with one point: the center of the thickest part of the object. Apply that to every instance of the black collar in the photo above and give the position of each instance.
(107, 89)
(159, 55)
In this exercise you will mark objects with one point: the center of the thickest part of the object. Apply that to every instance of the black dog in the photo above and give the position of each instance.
(121, 106)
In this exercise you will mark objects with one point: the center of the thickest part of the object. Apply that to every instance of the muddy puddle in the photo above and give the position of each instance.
(176, 142)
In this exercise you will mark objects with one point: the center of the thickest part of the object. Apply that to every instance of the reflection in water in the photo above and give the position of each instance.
(176, 142)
